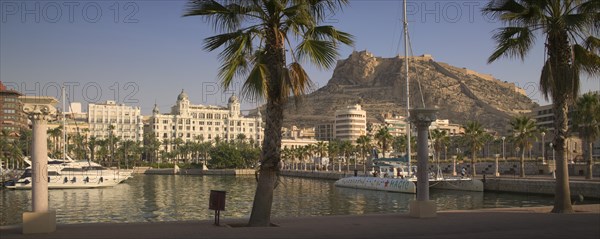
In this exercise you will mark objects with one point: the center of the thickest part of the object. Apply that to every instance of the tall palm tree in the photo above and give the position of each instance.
(56, 134)
(586, 120)
(92, 144)
(571, 43)
(333, 149)
(321, 148)
(257, 37)
(523, 129)
(474, 138)
(384, 138)
(346, 148)
(364, 145)
(440, 140)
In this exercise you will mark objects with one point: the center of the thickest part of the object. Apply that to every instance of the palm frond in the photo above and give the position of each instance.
(323, 53)
(322, 9)
(586, 60)
(223, 18)
(255, 86)
(546, 80)
(512, 42)
(498, 8)
(300, 82)
(330, 33)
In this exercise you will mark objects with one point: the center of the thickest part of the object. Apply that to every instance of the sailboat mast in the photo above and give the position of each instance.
(64, 126)
(408, 127)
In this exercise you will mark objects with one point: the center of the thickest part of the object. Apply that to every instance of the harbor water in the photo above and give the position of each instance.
(153, 198)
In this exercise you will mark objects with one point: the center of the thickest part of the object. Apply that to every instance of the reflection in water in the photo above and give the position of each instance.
(151, 198)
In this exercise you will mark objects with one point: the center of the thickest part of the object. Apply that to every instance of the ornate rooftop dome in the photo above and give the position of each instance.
(155, 110)
(182, 96)
(233, 100)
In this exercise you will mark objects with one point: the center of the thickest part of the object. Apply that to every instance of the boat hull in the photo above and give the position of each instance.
(382, 184)
(71, 182)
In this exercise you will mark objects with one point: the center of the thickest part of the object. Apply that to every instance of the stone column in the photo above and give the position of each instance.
(422, 207)
(42, 220)
(497, 173)
(454, 165)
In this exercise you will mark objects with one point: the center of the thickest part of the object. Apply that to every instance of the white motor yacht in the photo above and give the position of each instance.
(69, 174)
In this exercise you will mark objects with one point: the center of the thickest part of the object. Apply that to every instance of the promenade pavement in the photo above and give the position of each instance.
(535, 222)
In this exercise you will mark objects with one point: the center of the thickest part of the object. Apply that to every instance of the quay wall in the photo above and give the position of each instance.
(196, 171)
(513, 168)
(588, 189)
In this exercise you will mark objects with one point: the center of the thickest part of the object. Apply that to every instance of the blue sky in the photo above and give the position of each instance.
(141, 52)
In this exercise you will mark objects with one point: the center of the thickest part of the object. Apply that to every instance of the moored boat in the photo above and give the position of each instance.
(71, 174)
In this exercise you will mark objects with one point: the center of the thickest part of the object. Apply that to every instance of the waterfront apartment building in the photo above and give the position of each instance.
(12, 117)
(125, 121)
(200, 122)
(396, 125)
(350, 123)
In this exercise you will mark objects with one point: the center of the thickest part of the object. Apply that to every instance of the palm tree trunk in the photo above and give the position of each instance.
(562, 197)
(522, 163)
(473, 170)
(263, 198)
(590, 172)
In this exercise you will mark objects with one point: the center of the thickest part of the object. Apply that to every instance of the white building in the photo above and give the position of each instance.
(126, 120)
(204, 123)
(445, 125)
(350, 123)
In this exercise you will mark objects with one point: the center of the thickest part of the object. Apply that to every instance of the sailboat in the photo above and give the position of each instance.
(397, 176)
(67, 173)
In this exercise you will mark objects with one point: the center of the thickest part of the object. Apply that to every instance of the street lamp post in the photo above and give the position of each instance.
(503, 155)
(543, 147)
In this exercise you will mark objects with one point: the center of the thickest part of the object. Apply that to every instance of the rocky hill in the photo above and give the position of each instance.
(379, 85)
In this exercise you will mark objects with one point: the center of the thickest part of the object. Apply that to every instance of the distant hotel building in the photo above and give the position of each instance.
(12, 117)
(350, 123)
(126, 120)
(198, 122)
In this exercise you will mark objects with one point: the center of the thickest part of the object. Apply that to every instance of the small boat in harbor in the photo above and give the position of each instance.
(396, 178)
(70, 174)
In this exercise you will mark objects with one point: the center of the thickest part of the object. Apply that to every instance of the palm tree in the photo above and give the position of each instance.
(384, 138)
(440, 140)
(474, 138)
(570, 29)
(92, 143)
(333, 148)
(346, 148)
(523, 129)
(321, 148)
(103, 150)
(257, 37)
(56, 134)
(364, 145)
(586, 120)
(177, 142)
